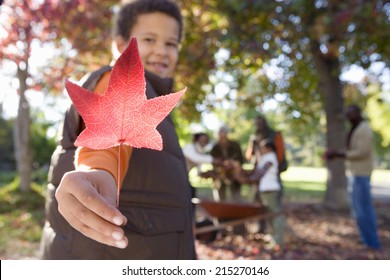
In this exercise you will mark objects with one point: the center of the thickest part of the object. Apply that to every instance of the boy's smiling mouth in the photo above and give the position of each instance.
(158, 66)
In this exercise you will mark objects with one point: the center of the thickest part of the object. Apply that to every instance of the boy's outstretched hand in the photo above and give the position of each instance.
(87, 199)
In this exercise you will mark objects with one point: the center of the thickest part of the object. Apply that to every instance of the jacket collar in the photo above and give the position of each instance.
(162, 86)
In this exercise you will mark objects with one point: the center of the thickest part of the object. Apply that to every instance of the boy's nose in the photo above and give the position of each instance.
(161, 49)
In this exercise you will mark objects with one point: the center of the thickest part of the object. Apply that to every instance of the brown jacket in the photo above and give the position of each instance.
(155, 196)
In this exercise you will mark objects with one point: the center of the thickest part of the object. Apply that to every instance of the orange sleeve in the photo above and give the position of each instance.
(103, 83)
(87, 159)
(279, 145)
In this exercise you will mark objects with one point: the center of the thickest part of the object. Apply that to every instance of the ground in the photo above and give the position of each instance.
(312, 233)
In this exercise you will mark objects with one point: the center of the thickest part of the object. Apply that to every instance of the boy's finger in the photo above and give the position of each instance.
(93, 201)
(86, 194)
(101, 233)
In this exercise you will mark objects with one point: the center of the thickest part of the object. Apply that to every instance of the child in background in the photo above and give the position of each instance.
(154, 218)
(265, 175)
(196, 152)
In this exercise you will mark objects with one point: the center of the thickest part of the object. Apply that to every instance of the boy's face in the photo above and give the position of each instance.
(158, 43)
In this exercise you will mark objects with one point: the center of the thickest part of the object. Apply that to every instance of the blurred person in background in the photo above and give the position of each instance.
(359, 156)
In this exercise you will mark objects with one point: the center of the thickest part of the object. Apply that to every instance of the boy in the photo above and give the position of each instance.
(154, 218)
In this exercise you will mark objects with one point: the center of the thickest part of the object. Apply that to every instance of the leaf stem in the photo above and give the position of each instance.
(118, 183)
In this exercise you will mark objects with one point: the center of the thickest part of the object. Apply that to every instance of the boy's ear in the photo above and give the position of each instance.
(118, 46)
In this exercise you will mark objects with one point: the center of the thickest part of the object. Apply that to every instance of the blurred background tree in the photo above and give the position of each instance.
(67, 27)
(307, 44)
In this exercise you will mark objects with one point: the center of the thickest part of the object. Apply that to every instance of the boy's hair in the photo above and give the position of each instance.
(128, 14)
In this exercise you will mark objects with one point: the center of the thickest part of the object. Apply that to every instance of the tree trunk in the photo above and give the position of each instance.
(336, 196)
(23, 153)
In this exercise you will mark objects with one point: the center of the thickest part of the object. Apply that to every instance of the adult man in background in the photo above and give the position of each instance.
(227, 149)
(359, 157)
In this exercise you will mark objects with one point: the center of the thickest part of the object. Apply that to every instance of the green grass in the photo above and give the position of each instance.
(305, 174)
(21, 218)
(6, 178)
(302, 184)
(319, 175)
(295, 191)
(301, 191)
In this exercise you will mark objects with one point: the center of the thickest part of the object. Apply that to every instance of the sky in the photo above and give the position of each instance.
(53, 107)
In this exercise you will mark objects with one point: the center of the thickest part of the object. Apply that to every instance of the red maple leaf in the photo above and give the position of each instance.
(123, 114)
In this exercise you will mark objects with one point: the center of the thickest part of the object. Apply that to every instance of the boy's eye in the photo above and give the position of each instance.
(172, 44)
(149, 40)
